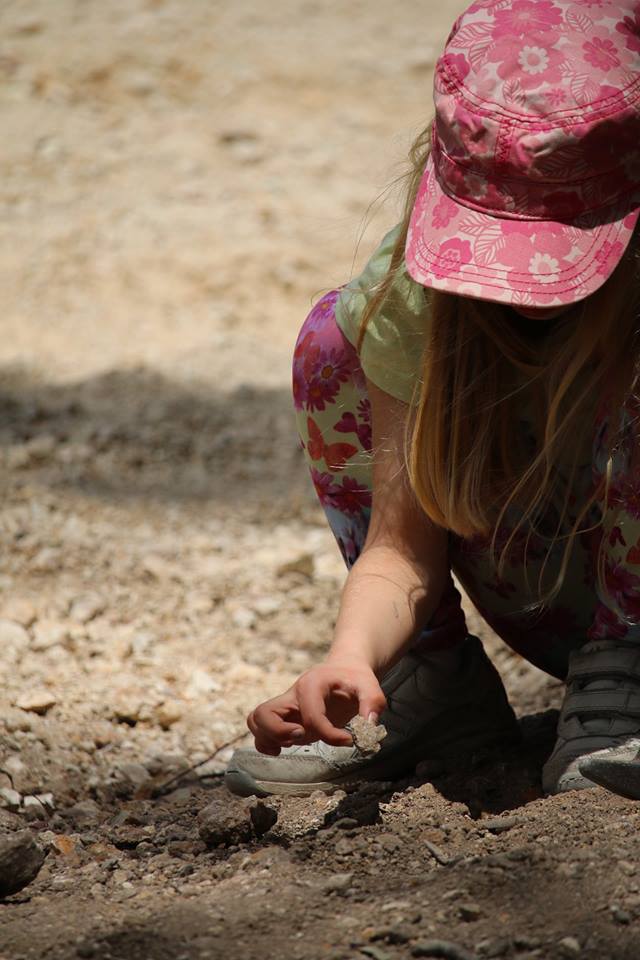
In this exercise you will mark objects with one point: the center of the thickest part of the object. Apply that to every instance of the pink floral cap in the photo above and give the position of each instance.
(532, 189)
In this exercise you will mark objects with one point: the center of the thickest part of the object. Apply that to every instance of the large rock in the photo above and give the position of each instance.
(224, 822)
(229, 820)
(20, 861)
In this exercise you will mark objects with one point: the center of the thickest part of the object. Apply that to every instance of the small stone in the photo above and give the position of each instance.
(86, 607)
(16, 457)
(262, 817)
(160, 569)
(41, 448)
(85, 812)
(343, 847)
(524, 942)
(346, 823)
(20, 861)
(375, 953)
(140, 83)
(64, 845)
(10, 799)
(499, 824)
(303, 564)
(392, 935)
(14, 640)
(441, 948)
(16, 720)
(86, 950)
(265, 606)
(168, 713)
(338, 883)
(201, 683)
(14, 765)
(494, 948)
(39, 804)
(469, 912)
(367, 736)
(135, 773)
(569, 947)
(49, 633)
(623, 917)
(128, 710)
(46, 560)
(243, 617)
(20, 611)
(36, 701)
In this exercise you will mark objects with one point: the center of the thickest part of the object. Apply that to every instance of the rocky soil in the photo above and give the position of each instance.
(178, 182)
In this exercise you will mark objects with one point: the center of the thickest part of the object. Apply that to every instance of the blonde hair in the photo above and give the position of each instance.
(464, 457)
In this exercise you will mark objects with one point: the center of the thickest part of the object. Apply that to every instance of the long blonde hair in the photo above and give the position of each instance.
(465, 462)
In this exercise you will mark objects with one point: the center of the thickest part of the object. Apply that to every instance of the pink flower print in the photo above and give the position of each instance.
(533, 59)
(529, 64)
(607, 625)
(630, 28)
(351, 496)
(322, 311)
(601, 53)
(452, 254)
(526, 17)
(328, 370)
(443, 213)
(324, 486)
(300, 381)
(608, 255)
(616, 537)
(555, 97)
(544, 267)
(348, 424)
(364, 410)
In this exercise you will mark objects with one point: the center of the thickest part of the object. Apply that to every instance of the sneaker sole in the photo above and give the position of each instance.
(403, 763)
(617, 776)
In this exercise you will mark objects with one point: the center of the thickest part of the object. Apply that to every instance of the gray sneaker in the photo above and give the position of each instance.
(600, 715)
(441, 704)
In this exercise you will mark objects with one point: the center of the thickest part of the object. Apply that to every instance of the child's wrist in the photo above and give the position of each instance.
(361, 657)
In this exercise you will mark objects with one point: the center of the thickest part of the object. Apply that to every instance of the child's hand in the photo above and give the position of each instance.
(317, 706)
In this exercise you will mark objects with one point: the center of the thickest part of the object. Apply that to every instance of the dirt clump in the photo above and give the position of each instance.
(367, 736)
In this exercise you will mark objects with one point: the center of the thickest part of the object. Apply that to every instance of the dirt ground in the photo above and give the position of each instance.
(178, 182)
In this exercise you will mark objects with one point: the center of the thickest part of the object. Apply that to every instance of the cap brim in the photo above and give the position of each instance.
(464, 250)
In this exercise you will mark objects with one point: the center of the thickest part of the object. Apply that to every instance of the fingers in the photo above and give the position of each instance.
(270, 730)
(316, 708)
(313, 710)
(371, 703)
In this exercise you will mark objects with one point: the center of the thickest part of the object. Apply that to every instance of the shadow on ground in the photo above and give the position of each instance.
(137, 433)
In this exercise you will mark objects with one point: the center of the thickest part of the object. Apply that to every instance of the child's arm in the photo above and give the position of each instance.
(390, 594)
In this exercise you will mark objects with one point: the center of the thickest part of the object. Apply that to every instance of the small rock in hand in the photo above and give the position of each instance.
(367, 736)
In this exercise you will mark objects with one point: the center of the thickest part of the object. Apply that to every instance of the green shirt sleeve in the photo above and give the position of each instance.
(393, 343)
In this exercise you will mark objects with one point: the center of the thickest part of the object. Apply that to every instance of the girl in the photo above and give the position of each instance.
(470, 404)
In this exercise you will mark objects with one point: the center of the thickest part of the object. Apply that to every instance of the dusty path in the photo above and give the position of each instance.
(178, 181)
